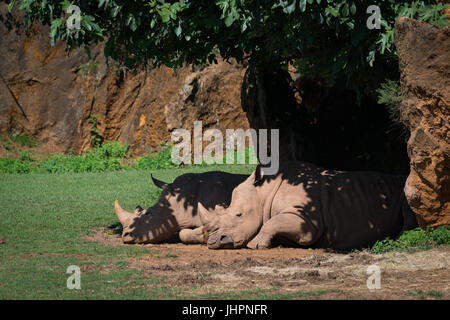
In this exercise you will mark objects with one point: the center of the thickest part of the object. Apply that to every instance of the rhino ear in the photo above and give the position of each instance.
(160, 184)
(209, 219)
(259, 174)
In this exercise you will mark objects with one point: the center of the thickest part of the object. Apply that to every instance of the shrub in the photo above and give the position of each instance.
(113, 149)
(390, 94)
(107, 157)
(160, 160)
(23, 139)
(8, 165)
(414, 239)
(96, 136)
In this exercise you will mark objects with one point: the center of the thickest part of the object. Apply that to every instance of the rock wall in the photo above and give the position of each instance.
(51, 94)
(424, 53)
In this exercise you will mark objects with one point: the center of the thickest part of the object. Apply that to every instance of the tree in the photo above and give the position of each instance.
(329, 39)
(323, 39)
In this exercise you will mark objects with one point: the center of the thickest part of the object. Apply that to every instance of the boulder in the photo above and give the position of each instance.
(424, 60)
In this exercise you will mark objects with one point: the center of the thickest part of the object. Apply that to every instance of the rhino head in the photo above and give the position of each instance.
(234, 226)
(157, 223)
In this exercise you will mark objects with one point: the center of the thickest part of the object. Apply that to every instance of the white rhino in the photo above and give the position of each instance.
(176, 209)
(308, 206)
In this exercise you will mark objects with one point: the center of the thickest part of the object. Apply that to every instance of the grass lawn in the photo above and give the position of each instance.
(45, 217)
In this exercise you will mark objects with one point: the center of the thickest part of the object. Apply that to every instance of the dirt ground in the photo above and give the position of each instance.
(404, 275)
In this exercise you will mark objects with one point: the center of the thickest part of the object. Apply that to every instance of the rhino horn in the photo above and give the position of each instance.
(121, 214)
(160, 184)
(209, 219)
(219, 209)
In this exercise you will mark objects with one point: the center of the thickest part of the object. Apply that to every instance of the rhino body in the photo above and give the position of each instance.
(312, 207)
(176, 209)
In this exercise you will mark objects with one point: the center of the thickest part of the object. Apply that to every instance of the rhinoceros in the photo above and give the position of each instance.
(309, 206)
(176, 209)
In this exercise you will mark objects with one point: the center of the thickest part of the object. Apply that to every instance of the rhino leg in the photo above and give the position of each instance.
(286, 225)
(194, 236)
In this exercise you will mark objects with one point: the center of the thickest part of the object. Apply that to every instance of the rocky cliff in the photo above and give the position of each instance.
(51, 94)
(424, 53)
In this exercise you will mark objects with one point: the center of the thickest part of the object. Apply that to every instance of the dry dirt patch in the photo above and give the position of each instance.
(195, 268)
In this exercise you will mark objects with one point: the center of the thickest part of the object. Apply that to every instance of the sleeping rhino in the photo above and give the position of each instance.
(176, 209)
(308, 206)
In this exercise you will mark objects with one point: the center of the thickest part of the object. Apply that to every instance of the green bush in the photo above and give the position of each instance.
(109, 156)
(8, 165)
(96, 136)
(440, 235)
(113, 149)
(414, 239)
(390, 94)
(161, 160)
(23, 139)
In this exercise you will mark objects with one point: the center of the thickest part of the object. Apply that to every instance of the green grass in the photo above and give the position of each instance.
(423, 294)
(45, 217)
(265, 294)
(413, 240)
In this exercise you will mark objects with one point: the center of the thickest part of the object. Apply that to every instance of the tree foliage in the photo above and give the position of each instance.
(322, 38)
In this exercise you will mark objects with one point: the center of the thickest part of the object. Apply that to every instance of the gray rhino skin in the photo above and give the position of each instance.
(176, 209)
(308, 206)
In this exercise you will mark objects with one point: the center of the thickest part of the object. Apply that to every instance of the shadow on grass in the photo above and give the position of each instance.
(117, 229)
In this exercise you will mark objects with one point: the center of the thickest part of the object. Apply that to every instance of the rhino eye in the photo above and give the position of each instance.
(238, 214)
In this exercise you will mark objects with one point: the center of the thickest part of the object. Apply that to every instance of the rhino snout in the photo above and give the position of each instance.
(128, 238)
(226, 239)
(219, 241)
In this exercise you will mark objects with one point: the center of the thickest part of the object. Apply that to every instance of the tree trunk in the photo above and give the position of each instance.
(323, 124)
(270, 100)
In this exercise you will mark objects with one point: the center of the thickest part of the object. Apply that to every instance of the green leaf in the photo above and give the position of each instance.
(178, 30)
(345, 10)
(86, 24)
(333, 11)
(11, 5)
(302, 5)
(133, 25)
(290, 9)
(115, 11)
(65, 4)
(229, 20)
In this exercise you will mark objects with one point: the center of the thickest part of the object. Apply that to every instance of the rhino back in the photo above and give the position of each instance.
(210, 188)
(359, 208)
(349, 209)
